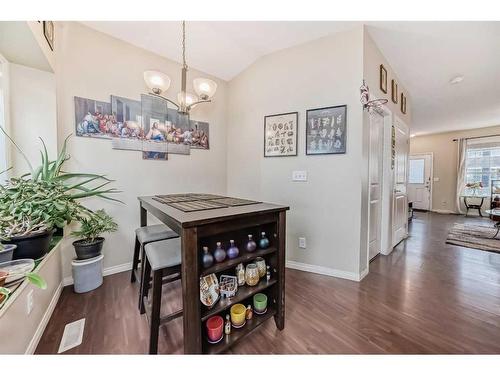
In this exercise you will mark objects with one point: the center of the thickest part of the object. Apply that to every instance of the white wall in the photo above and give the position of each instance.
(93, 65)
(326, 209)
(32, 114)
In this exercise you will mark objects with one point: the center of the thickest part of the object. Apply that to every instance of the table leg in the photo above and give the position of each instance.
(191, 292)
(466, 206)
(279, 318)
(497, 226)
(144, 217)
(479, 208)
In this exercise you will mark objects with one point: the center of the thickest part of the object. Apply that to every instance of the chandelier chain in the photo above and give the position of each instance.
(184, 44)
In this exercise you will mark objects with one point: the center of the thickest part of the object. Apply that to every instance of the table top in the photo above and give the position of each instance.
(474, 196)
(495, 212)
(176, 217)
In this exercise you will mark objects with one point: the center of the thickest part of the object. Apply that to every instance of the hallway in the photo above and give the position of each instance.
(426, 297)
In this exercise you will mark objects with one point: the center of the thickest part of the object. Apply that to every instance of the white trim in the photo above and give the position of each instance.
(45, 320)
(440, 211)
(364, 273)
(106, 272)
(326, 271)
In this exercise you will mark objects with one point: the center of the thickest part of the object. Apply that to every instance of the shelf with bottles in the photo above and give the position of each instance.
(226, 250)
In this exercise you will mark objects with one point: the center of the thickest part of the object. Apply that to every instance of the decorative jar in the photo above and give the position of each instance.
(219, 253)
(264, 242)
(233, 251)
(207, 259)
(261, 266)
(251, 245)
(252, 274)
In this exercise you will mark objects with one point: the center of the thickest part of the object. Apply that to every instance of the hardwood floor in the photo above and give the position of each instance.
(426, 297)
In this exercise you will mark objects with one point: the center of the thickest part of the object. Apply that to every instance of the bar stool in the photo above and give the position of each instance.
(163, 259)
(143, 236)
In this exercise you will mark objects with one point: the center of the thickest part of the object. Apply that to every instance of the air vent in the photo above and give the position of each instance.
(72, 336)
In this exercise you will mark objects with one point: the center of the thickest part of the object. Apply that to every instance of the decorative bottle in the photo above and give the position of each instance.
(219, 253)
(251, 245)
(240, 274)
(268, 273)
(249, 313)
(264, 242)
(233, 251)
(208, 259)
(227, 326)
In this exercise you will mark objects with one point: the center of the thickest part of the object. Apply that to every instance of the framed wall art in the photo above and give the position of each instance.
(280, 134)
(403, 103)
(48, 32)
(326, 130)
(383, 79)
(394, 91)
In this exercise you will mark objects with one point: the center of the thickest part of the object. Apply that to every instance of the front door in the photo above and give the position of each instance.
(419, 181)
(400, 195)
(376, 172)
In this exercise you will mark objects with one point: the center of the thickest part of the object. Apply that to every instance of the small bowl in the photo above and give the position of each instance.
(260, 302)
(215, 328)
(238, 312)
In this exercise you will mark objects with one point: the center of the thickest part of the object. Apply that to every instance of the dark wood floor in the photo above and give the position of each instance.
(426, 297)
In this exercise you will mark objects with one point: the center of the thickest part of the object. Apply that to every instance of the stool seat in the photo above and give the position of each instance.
(164, 254)
(154, 233)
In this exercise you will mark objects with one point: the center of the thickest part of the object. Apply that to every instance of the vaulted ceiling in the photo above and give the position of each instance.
(425, 56)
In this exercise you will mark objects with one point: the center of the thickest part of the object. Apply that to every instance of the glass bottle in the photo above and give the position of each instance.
(268, 273)
(207, 259)
(264, 242)
(240, 274)
(249, 313)
(251, 245)
(219, 253)
(227, 326)
(233, 251)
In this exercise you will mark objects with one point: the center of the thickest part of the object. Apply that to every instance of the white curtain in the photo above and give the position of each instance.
(462, 151)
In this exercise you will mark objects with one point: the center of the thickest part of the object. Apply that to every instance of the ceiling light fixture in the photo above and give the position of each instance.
(159, 82)
(456, 79)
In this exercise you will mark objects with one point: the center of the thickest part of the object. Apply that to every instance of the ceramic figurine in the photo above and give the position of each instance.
(251, 245)
(227, 326)
(240, 274)
(219, 253)
(249, 313)
(268, 273)
(208, 259)
(233, 251)
(264, 242)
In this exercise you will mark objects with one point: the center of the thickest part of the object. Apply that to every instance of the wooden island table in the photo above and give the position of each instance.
(203, 220)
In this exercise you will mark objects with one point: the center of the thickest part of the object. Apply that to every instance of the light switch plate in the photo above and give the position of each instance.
(436, 179)
(302, 242)
(299, 176)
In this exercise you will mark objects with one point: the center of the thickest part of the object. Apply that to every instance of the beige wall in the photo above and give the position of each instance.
(93, 65)
(445, 162)
(326, 208)
(32, 115)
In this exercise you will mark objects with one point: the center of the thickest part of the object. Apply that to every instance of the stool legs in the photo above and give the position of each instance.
(155, 312)
(135, 260)
(146, 276)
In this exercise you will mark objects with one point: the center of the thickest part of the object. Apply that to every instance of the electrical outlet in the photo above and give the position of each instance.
(302, 242)
(29, 302)
(299, 176)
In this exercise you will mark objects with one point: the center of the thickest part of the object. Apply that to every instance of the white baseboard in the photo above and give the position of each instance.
(363, 273)
(45, 320)
(106, 271)
(326, 271)
(440, 211)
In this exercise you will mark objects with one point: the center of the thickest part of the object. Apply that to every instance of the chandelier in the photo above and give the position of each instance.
(159, 83)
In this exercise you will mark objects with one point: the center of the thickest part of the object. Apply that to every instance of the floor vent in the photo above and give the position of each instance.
(72, 336)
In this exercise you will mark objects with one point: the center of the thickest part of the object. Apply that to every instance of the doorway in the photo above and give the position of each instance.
(420, 181)
(400, 140)
(376, 176)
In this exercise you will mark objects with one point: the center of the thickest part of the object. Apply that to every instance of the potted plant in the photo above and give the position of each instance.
(34, 205)
(90, 243)
(6, 252)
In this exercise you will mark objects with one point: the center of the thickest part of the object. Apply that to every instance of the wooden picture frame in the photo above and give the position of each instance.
(326, 130)
(281, 134)
(383, 79)
(403, 103)
(394, 91)
(48, 32)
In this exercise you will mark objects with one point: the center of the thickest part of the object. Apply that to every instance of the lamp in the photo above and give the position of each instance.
(159, 82)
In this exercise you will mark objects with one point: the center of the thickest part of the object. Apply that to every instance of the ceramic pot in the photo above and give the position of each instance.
(261, 266)
(251, 245)
(252, 274)
(264, 242)
(219, 253)
(207, 259)
(88, 250)
(233, 251)
(215, 328)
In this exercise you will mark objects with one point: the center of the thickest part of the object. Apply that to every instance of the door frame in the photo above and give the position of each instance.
(431, 154)
(5, 98)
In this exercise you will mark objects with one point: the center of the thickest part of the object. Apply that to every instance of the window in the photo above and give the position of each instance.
(482, 163)
(416, 173)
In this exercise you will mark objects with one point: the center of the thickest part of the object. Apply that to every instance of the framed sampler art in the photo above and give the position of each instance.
(280, 134)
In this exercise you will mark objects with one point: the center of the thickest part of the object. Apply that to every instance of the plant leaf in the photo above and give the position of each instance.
(36, 280)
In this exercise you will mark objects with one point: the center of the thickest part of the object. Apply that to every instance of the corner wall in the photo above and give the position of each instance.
(325, 209)
(93, 65)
